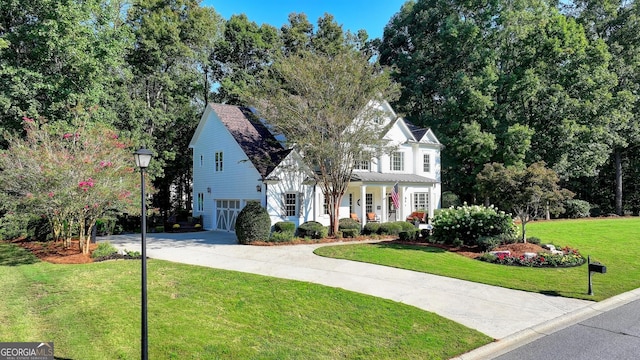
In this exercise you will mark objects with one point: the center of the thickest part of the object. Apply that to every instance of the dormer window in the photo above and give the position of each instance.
(361, 165)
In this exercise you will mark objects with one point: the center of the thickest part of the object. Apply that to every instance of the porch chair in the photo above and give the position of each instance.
(372, 217)
(355, 217)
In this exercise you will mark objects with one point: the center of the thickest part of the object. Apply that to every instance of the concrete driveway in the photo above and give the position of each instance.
(498, 312)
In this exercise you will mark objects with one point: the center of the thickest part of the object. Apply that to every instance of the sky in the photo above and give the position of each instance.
(353, 15)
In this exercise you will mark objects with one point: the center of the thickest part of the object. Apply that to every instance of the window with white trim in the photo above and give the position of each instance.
(361, 165)
(420, 201)
(218, 160)
(426, 163)
(290, 204)
(369, 202)
(397, 161)
(325, 205)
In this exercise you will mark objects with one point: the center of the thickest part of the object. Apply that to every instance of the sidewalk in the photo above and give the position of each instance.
(498, 312)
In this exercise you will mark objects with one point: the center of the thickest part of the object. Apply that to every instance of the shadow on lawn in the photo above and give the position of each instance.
(423, 248)
(13, 255)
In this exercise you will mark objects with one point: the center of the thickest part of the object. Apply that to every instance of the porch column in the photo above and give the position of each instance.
(383, 215)
(363, 205)
(430, 204)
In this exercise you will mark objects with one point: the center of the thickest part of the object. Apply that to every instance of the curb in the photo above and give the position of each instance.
(513, 341)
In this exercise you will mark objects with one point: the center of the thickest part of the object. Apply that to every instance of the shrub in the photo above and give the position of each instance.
(283, 231)
(350, 233)
(371, 228)
(281, 236)
(253, 223)
(468, 223)
(408, 235)
(348, 223)
(450, 199)
(533, 240)
(390, 228)
(575, 208)
(312, 229)
(488, 243)
(406, 226)
(284, 226)
(104, 249)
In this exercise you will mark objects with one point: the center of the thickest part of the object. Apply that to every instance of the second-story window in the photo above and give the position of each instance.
(219, 162)
(361, 165)
(397, 161)
(426, 163)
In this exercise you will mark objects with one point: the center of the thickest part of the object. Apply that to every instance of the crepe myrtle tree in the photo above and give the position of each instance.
(528, 192)
(70, 175)
(325, 106)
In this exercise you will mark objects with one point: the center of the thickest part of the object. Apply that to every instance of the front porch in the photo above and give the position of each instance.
(369, 197)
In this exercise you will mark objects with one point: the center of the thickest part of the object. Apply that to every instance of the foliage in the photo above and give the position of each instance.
(468, 223)
(450, 199)
(350, 233)
(71, 176)
(283, 231)
(328, 107)
(408, 235)
(371, 228)
(104, 249)
(575, 208)
(253, 223)
(390, 228)
(406, 225)
(528, 192)
(569, 259)
(348, 223)
(488, 243)
(533, 240)
(284, 226)
(313, 230)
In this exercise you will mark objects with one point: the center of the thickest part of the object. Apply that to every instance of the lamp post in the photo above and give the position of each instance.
(143, 157)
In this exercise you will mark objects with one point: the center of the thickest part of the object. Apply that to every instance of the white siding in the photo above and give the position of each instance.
(238, 179)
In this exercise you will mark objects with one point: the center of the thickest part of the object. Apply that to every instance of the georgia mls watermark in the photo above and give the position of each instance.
(26, 351)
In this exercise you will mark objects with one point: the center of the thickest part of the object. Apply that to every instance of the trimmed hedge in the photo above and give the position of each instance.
(312, 229)
(283, 231)
(350, 233)
(408, 235)
(391, 228)
(371, 228)
(348, 223)
(253, 223)
(284, 226)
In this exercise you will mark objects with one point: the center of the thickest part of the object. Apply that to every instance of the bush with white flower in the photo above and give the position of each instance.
(467, 223)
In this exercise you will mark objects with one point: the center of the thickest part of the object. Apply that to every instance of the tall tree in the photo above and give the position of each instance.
(319, 102)
(165, 93)
(56, 56)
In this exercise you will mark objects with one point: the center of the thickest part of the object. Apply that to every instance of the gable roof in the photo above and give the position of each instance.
(260, 146)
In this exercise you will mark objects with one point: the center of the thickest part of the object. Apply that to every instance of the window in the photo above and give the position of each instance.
(218, 160)
(426, 163)
(325, 206)
(201, 160)
(200, 202)
(369, 202)
(290, 202)
(420, 201)
(397, 161)
(361, 165)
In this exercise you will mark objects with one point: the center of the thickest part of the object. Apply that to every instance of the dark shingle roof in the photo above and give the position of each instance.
(260, 146)
(417, 132)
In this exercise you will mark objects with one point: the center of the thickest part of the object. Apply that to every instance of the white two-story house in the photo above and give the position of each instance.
(237, 159)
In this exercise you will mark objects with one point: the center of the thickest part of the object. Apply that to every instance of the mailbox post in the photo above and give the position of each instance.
(594, 267)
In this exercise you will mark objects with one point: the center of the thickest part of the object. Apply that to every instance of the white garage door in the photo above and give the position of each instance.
(226, 214)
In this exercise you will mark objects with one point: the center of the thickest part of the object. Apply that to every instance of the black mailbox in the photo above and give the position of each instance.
(597, 267)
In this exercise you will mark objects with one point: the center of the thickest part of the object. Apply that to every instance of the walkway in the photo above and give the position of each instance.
(495, 311)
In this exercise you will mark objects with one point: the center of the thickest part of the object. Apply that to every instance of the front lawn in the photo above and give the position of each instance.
(614, 242)
(92, 311)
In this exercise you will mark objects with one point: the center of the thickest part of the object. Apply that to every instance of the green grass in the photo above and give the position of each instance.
(92, 311)
(613, 242)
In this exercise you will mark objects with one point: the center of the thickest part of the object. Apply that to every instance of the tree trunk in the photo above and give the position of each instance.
(618, 164)
(524, 231)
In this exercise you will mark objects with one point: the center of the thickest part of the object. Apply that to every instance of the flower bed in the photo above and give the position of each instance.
(569, 258)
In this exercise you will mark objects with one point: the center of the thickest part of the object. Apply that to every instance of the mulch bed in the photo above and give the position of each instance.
(474, 251)
(55, 252)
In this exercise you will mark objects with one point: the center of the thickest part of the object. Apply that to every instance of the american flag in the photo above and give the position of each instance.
(394, 196)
